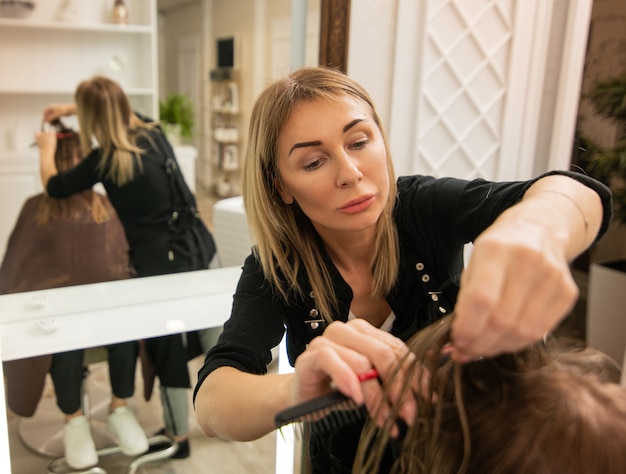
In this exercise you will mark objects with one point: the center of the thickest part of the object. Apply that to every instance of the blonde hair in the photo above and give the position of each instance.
(286, 241)
(104, 112)
(66, 156)
(544, 409)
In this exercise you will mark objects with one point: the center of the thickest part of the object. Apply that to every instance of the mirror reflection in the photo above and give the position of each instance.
(196, 66)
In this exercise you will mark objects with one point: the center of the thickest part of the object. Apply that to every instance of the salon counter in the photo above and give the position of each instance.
(61, 319)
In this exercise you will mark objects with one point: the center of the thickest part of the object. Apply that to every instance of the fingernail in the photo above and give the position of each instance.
(447, 349)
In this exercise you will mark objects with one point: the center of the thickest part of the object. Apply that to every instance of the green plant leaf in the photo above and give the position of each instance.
(609, 164)
(609, 98)
(178, 109)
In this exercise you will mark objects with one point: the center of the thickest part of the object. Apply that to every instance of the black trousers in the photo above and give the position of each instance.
(175, 253)
(67, 372)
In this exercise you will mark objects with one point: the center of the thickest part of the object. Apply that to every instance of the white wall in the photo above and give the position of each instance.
(371, 46)
(378, 47)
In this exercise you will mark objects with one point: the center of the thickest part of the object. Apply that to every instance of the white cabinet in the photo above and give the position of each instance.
(44, 57)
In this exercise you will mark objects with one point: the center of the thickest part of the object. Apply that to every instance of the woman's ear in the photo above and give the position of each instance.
(284, 195)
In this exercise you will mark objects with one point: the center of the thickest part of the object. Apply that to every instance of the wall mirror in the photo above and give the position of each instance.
(184, 33)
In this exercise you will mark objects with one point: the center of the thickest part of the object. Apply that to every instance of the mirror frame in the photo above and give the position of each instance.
(334, 33)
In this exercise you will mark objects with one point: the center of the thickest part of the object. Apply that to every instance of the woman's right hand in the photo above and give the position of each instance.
(241, 406)
(55, 111)
(46, 141)
(344, 351)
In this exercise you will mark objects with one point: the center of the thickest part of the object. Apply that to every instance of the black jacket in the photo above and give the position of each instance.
(435, 218)
(146, 206)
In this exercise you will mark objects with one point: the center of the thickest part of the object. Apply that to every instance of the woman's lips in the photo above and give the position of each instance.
(357, 205)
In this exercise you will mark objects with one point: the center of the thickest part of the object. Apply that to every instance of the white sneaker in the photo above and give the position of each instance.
(80, 450)
(130, 436)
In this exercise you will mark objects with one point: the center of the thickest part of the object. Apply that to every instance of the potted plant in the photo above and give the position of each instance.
(177, 119)
(606, 323)
(609, 164)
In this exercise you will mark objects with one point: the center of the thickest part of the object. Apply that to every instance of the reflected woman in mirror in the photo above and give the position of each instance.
(137, 166)
(66, 242)
(344, 249)
(550, 408)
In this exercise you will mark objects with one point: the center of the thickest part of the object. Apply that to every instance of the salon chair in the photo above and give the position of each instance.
(43, 433)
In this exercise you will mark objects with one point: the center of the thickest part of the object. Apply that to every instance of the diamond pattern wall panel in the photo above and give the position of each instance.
(467, 49)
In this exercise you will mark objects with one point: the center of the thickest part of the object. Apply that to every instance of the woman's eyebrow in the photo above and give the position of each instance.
(305, 144)
(318, 142)
(351, 124)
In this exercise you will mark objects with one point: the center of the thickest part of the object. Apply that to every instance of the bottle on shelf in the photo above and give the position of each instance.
(231, 158)
(120, 12)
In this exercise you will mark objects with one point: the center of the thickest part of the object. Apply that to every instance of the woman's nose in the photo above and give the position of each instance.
(348, 173)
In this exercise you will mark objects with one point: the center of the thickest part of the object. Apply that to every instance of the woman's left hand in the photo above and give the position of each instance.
(518, 285)
(515, 289)
(53, 112)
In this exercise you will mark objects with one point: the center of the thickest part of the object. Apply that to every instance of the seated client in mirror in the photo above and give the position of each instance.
(64, 242)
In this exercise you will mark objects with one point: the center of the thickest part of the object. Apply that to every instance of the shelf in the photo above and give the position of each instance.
(225, 162)
(132, 91)
(226, 141)
(224, 74)
(77, 27)
(226, 110)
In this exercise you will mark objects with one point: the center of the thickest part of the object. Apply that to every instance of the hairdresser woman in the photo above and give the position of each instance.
(136, 164)
(339, 239)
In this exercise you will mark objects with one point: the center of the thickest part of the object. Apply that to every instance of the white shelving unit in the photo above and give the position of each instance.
(226, 130)
(44, 57)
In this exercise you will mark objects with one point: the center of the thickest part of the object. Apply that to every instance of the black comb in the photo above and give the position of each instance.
(327, 411)
(332, 409)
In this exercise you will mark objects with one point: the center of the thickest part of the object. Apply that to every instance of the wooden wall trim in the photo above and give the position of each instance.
(334, 30)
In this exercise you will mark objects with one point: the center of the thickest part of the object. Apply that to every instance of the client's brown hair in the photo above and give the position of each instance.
(550, 408)
(66, 156)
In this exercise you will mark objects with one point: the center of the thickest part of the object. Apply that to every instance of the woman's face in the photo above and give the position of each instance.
(332, 161)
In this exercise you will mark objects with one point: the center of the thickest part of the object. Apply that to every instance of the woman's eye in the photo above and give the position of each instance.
(313, 164)
(360, 144)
